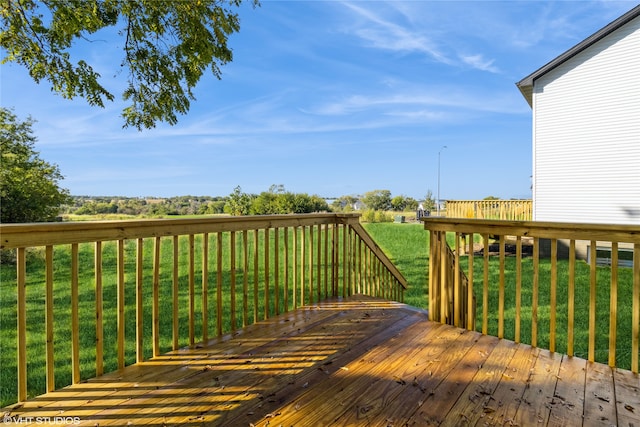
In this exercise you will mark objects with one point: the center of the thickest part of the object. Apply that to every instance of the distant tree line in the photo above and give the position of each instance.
(276, 200)
(145, 206)
(382, 200)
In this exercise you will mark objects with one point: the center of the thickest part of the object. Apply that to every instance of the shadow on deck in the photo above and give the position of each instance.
(358, 361)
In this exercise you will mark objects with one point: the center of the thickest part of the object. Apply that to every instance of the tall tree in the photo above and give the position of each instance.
(238, 203)
(167, 47)
(429, 202)
(378, 200)
(29, 190)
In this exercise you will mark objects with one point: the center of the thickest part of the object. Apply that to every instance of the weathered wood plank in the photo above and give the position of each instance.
(567, 405)
(599, 395)
(217, 384)
(506, 399)
(278, 389)
(476, 400)
(411, 382)
(627, 392)
(439, 389)
(360, 361)
(375, 369)
(541, 384)
(121, 385)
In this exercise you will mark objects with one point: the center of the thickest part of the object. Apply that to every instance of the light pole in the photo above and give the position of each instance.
(438, 207)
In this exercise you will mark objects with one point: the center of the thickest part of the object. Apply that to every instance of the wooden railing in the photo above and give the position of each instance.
(528, 292)
(93, 297)
(514, 210)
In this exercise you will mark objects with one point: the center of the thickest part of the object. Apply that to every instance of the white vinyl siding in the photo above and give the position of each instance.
(586, 134)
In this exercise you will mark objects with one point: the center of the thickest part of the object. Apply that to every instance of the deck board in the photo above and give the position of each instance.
(353, 362)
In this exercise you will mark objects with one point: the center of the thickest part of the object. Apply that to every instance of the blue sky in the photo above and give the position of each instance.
(330, 98)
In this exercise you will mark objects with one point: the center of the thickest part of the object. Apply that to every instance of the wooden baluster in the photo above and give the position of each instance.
(334, 260)
(470, 305)
(485, 289)
(592, 302)
(155, 308)
(219, 312)
(232, 262)
(344, 261)
(139, 300)
(255, 274)
(518, 316)
(319, 263)
(21, 263)
(205, 287)
(120, 303)
(276, 269)
(613, 304)
(311, 269)
(534, 291)
(296, 264)
(457, 295)
(50, 364)
(175, 331)
(635, 310)
(245, 278)
(192, 287)
(99, 309)
(286, 269)
(326, 261)
(571, 297)
(553, 295)
(303, 260)
(267, 261)
(445, 314)
(433, 276)
(359, 253)
(501, 284)
(75, 322)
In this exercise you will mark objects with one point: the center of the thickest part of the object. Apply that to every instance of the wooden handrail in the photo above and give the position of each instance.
(58, 233)
(552, 280)
(212, 275)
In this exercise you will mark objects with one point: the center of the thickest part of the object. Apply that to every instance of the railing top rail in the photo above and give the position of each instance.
(547, 230)
(42, 234)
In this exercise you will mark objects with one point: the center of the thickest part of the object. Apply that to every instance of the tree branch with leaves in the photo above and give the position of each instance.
(168, 45)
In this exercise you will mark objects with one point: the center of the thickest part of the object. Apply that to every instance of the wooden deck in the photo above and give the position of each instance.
(357, 362)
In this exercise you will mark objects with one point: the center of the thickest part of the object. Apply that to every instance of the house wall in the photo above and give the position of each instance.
(586, 134)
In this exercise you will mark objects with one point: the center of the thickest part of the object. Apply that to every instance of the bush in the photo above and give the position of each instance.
(371, 215)
(382, 216)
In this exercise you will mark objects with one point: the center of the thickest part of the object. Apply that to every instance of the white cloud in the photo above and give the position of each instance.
(384, 34)
(477, 61)
(436, 100)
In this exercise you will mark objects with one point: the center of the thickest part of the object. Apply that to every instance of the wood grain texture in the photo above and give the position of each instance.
(358, 361)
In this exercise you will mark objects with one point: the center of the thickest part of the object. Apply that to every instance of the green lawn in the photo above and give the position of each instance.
(407, 245)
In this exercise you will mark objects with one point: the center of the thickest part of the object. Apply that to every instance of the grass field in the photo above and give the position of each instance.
(406, 244)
